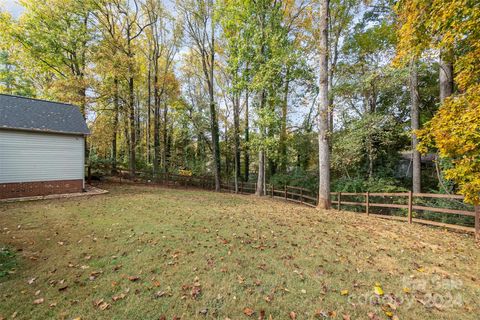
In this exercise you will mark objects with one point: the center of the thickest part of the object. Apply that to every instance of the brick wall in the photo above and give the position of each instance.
(39, 188)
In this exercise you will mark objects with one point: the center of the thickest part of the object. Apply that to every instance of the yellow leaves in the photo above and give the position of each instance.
(455, 132)
(344, 292)
(187, 173)
(378, 289)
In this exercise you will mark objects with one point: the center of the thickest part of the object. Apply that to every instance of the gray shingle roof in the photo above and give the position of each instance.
(40, 115)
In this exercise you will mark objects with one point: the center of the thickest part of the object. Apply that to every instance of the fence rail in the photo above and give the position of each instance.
(410, 207)
(307, 197)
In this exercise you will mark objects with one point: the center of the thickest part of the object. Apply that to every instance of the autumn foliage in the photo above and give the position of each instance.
(454, 131)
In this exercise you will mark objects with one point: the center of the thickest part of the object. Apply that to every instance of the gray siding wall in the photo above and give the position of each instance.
(31, 156)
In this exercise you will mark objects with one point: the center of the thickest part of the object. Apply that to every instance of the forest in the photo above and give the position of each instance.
(331, 95)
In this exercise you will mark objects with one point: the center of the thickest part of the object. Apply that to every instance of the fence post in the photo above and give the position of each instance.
(367, 203)
(477, 222)
(272, 189)
(339, 201)
(285, 192)
(241, 186)
(410, 205)
(301, 195)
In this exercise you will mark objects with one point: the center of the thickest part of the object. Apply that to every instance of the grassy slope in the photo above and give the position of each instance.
(243, 252)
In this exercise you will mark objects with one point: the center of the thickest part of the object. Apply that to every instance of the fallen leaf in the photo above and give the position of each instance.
(378, 289)
(373, 316)
(195, 292)
(104, 306)
(332, 314)
(133, 278)
(292, 315)
(38, 301)
(248, 312)
(63, 288)
(119, 297)
(261, 316)
(320, 314)
(344, 292)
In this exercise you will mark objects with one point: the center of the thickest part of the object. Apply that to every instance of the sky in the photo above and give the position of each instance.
(11, 6)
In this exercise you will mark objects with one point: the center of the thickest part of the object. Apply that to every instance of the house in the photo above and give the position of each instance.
(42, 147)
(404, 165)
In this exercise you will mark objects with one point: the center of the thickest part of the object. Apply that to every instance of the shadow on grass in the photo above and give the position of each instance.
(8, 262)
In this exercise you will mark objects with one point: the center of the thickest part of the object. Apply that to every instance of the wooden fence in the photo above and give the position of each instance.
(403, 201)
(407, 202)
(288, 193)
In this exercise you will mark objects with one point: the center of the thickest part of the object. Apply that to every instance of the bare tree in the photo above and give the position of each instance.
(164, 47)
(200, 27)
(122, 22)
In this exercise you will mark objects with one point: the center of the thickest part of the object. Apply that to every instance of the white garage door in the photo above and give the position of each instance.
(30, 156)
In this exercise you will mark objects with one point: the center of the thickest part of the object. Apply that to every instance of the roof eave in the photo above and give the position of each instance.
(45, 131)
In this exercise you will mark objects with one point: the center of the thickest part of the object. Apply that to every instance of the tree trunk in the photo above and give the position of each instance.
(166, 152)
(126, 133)
(156, 120)
(446, 90)
(283, 129)
(446, 76)
(227, 150)
(247, 139)
(260, 191)
(213, 112)
(215, 141)
(415, 118)
(149, 102)
(370, 156)
(116, 108)
(133, 142)
(236, 133)
(323, 127)
(261, 173)
(82, 92)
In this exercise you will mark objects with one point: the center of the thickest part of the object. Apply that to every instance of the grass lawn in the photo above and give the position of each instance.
(153, 253)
